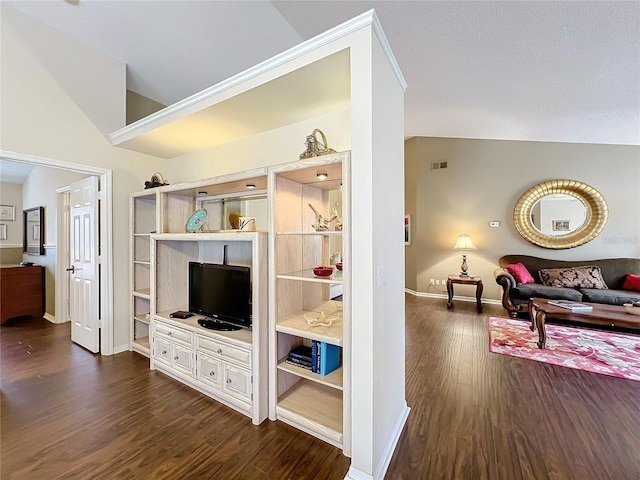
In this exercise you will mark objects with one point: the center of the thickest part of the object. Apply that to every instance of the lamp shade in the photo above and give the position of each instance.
(464, 243)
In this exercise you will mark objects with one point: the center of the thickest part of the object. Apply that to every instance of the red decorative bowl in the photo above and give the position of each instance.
(322, 271)
(339, 266)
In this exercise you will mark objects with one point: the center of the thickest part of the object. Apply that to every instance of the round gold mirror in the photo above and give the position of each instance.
(560, 214)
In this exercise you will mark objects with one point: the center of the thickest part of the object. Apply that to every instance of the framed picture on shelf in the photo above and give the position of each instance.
(7, 212)
(3, 231)
(560, 225)
(407, 229)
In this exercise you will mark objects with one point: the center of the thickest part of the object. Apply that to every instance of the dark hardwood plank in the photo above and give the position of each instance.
(68, 414)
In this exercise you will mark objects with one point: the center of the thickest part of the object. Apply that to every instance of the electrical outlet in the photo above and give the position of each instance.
(432, 281)
(444, 282)
(437, 282)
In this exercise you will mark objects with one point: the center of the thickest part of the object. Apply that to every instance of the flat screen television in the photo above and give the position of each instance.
(221, 292)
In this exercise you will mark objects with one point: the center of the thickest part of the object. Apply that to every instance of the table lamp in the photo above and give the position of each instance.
(464, 243)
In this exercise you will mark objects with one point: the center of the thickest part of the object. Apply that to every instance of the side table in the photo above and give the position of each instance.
(465, 280)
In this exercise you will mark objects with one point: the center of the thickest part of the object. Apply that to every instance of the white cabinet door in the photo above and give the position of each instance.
(237, 382)
(208, 369)
(162, 350)
(182, 358)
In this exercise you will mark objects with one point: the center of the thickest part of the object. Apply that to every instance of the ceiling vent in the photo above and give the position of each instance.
(438, 165)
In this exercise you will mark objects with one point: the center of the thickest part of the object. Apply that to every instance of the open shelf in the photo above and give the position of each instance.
(142, 293)
(314, 408)
(142, 318)
(296, 324)
(141, 345)
(326, 234)
(308, 276)
(333, 379)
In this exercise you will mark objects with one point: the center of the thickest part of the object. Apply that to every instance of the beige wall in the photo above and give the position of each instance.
(11, 248)
(139, 106)
(48, 122)
(482, 183)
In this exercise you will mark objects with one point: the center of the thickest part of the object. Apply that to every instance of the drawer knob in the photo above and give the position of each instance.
(176, 357)
(229, 380)
(212, 373)
(164, 352)
(170, 333)
(220, 351)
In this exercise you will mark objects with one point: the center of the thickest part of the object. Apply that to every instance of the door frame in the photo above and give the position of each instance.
(106, 241)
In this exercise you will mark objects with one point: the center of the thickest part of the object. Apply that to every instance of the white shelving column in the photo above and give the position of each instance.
(316, 404)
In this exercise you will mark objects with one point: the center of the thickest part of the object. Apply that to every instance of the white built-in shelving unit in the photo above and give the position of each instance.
(316, 404)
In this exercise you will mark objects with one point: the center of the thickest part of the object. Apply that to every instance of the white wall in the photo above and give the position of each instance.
(46, 121)
(483, 182)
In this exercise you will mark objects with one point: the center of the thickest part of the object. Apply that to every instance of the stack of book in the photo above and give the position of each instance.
(320, 357)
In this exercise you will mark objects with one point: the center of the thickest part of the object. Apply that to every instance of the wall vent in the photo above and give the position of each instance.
(438, 165)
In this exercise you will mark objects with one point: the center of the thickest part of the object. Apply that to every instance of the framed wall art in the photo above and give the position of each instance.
(7, 212)
(560, 225)
(407, 229)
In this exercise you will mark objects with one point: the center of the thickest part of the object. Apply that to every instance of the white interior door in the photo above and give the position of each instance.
(84, 291)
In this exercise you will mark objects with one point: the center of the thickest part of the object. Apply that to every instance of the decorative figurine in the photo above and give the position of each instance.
(315, 148)
(338, 225)
(321, 224)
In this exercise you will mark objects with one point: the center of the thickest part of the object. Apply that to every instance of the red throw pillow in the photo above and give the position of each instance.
(632, 282)
(520, 273)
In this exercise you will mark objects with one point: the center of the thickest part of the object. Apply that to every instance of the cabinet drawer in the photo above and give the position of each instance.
(225, 351)
(173, 332)
(162, 350)
(208, 369)
(237, 382)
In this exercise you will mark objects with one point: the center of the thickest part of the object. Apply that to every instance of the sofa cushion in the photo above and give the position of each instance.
(519, 272)
(612, 297)
(588, 276)
(632, 282)
(530, 290)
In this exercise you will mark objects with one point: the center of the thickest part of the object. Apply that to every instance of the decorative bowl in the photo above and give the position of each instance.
(322, 271)
(339, 266)
(632, 308)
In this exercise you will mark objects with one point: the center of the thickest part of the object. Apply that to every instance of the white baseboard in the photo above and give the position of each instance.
(490, 301)
(49, 317)
(120, 348)
(387, 453)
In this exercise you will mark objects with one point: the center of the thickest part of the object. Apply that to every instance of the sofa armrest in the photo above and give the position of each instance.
(508, 283)
(504, 278)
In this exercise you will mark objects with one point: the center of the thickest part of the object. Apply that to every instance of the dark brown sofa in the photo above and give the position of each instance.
(515, 297)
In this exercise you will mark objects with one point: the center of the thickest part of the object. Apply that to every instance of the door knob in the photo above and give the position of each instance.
(72, 269)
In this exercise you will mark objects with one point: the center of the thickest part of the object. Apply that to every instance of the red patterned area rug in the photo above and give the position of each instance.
(597, 351)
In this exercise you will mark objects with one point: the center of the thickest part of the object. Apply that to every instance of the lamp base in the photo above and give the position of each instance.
(464, 267)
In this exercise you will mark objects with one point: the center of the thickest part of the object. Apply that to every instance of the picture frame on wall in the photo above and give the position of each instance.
(407, 229)
(3, 231)
(7, 212)
(560, 225)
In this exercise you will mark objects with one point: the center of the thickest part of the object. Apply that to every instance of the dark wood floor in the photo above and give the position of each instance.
(67, 414)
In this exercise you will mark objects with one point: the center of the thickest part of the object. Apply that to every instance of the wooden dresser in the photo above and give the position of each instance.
(22, 291)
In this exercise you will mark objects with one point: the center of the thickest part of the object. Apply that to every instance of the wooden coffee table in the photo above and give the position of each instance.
(609, 315)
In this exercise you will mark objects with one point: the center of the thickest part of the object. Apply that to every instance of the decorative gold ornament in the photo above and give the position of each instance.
(316, 148)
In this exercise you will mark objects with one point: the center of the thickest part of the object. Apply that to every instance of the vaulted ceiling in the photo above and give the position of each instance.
(547, 71)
